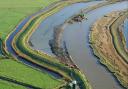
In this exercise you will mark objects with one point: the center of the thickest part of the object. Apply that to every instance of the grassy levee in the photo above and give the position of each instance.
(8, 85)
(26, 76)
(3, 52)
(22, 48)
(114, 29)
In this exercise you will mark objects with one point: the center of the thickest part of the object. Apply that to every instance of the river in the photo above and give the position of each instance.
(40, 38)
(77, 39)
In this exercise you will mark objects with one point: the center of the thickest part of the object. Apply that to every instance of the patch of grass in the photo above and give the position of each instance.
(25, 74)
(13, 11)
(8, 85)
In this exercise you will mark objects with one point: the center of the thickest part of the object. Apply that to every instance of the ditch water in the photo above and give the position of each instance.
(126, 31)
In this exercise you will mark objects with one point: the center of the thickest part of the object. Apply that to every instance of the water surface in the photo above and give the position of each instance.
(125, 31)
(77, 41)
(76, 37)
(40, 38)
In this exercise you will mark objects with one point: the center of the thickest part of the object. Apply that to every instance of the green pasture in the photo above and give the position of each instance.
(7, 85)
(13, 11)
(20, 72)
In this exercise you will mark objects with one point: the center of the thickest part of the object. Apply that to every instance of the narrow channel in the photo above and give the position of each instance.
(126, 31)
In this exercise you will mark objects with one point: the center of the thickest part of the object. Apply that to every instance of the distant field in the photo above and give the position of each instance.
(13, 11)
(17, 71)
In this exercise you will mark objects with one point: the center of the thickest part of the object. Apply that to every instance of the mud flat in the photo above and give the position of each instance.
(102, 43)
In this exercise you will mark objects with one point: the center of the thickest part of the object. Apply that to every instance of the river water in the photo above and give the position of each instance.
(76, 37)
(40, 38)
(77, 41)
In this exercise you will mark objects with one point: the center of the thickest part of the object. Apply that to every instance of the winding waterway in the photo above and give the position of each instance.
(76, 38)
(40, 38)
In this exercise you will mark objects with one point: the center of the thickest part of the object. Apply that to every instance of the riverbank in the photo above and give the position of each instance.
(102, 45)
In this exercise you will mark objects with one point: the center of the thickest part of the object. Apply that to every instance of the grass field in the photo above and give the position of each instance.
(7, 85)
(13, 11)
(17, 71)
